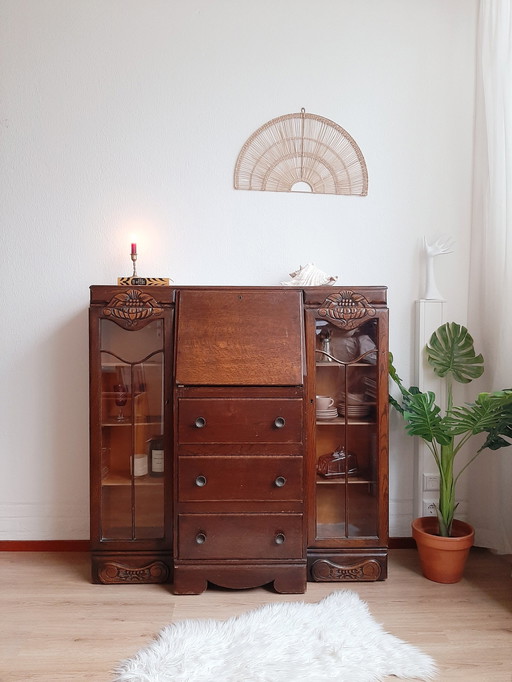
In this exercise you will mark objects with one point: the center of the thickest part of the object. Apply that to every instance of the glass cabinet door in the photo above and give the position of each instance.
(346, 436)
(131, 431)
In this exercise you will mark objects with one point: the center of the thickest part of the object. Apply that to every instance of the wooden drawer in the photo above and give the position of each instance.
(240, 536)
(211, 478)
(239, 420)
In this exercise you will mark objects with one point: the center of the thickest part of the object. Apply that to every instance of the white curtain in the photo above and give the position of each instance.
(490, 310)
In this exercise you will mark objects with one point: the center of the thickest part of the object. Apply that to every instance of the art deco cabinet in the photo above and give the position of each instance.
(213, 460)
(347, 349)
(131, 351)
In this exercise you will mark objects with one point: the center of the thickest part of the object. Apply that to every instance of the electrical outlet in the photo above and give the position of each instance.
(430, 482)
(429, 508)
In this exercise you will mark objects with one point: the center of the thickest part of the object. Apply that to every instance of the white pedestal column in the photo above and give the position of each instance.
(429, 316)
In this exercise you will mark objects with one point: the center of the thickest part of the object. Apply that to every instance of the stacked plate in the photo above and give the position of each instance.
(354, 411)
(357, 406)
(329, 413)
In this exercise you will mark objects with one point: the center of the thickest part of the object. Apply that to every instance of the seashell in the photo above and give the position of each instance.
(310, 276)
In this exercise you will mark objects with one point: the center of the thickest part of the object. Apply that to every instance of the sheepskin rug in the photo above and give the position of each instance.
(334, 640)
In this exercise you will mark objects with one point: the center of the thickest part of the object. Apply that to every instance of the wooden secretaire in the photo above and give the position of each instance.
(238, 435)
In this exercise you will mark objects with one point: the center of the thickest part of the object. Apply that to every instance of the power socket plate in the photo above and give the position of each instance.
(429, 508)
(430, 482)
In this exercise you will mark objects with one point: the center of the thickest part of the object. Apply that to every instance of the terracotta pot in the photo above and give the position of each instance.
(442, 559)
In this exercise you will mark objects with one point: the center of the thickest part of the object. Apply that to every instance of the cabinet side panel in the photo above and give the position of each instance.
(347, 433)
(131, 439)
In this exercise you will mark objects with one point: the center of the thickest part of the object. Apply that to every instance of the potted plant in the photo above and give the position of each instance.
(451, 354)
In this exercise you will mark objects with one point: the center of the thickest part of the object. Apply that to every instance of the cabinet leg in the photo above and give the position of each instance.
(293, 581)
(285, 578)
(188, 582)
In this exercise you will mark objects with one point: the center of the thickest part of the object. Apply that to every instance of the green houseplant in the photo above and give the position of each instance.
(451, 354)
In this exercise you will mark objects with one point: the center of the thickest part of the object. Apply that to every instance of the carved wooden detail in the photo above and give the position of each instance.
(113, 572)
(324, 570)
(346, 309)
(132, 308)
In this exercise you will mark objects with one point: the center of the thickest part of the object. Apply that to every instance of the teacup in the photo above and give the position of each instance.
(324, 402)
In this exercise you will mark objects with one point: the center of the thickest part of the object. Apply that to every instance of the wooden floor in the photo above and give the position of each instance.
(55, 626)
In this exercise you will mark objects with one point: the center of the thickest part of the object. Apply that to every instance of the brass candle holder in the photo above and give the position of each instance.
(133, 256)
(135, 280)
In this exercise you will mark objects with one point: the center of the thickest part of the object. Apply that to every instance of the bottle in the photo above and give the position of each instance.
(156, 456)
(140, 455)
(140, 465)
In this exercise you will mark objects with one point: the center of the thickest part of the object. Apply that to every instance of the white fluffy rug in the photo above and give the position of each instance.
(334, 640)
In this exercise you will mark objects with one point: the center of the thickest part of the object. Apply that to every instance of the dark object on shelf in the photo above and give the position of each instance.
(156, 456)
(337, 464)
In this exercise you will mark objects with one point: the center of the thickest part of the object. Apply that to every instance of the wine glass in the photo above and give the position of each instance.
(121, 399)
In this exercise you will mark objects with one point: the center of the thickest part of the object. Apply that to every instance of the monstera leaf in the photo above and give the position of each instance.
(424, 418)
(490, 413)
(502, 426)
(406, 393)
(450, 351)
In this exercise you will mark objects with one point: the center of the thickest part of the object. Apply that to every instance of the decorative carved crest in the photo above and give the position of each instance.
(346, 309)
(114, 572)
(324, 570)
(130, 308)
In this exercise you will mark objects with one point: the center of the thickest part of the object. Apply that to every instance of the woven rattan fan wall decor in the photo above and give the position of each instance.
(302, 152)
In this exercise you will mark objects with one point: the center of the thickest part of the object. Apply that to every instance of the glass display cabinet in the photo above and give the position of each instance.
(347, 334)
(130, 359)
(239, 435)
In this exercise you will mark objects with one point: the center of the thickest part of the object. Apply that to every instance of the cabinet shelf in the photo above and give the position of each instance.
(339, 364)
(120, 480)
(137, 422)
(338, 531)
(341, 421)
(342, 480)
(117, 363)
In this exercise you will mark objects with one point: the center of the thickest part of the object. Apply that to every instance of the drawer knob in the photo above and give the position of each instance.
(280, 481)
(200, 422)
(201, 481)
(279, 422)
(279, 538)
(201, 538)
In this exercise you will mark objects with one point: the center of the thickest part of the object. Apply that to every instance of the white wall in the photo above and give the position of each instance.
(122, 117)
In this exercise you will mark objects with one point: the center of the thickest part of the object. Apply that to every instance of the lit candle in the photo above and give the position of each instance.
(134, 249)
